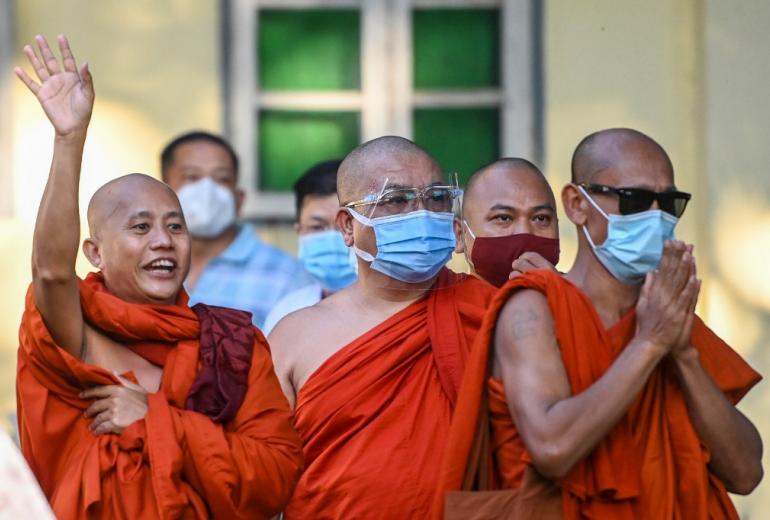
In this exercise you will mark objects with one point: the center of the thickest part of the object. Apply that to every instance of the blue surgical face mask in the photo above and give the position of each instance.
(634, 243)
(325, 256)
(411, 247)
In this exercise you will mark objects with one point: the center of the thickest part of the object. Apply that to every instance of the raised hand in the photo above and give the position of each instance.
(65, 92)
(667, 300)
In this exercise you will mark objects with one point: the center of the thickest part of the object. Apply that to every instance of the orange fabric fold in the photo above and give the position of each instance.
(374, 417)
(175, 463)
(651, 465)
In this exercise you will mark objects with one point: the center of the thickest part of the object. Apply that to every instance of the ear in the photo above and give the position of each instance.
(344, 223)
(93, 253)
(240, 196)
(459, 236)
(575, 205)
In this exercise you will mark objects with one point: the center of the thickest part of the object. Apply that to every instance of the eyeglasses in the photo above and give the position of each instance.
(405, 200)
(636, 200)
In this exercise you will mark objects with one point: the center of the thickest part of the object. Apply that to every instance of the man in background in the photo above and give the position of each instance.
(322, 250)
(231, 266)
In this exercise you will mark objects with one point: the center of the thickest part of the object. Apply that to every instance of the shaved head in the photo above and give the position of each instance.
(514, 170)
(118, 193)
(134, 222)
(365, 169)
(615, 147)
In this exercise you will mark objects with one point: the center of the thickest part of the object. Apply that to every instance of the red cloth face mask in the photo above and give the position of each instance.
(492, 256)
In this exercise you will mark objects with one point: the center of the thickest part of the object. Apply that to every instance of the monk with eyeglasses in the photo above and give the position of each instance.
(374, 370)
(609, 397)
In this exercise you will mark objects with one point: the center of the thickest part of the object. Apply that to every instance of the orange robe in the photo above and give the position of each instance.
(374, 417)
(651, 464)
(174, 463)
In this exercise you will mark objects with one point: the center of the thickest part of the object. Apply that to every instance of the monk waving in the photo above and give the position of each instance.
(130, 403)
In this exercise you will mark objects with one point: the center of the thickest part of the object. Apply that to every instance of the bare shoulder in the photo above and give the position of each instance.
(525, 312)
(304, 339)
(291, 333)
(300, 335)
(524, 326)
(526, 352)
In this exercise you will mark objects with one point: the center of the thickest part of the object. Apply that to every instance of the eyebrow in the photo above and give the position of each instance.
(148, 214)
(390, 186)
(539, 207)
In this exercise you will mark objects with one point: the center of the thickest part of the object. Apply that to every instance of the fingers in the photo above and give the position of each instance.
(690, 294)
(128, 384)
(644, 294)
(99, 420)
(68, 59)
(677, 269)
(100, 392)
(87, 80)
(667, 258)
(29, 82)
(536, 259)
(104, 424)
(682, 273)
(522, 265)
(37, 65)
(49, 60)
(98, 407)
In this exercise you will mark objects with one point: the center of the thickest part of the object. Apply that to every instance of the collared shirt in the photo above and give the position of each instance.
(249, 275)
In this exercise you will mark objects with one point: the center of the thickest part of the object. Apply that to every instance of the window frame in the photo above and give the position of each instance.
(387, 98)
(7, 49)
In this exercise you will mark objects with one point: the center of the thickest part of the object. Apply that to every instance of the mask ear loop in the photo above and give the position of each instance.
(593, 202)
(600, 210)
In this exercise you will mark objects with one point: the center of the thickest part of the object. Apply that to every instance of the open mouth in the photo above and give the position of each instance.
(163, 267)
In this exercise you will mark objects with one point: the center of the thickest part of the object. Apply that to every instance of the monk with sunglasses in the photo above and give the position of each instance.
(608, 396)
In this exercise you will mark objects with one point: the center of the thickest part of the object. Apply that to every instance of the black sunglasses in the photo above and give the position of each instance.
(636, 200)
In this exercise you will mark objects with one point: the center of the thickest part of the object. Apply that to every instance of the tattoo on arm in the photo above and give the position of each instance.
(525, 325)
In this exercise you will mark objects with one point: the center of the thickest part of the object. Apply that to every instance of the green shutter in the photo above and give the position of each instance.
(461, 139)
(309, 49)
(456, 48)
(291, 142)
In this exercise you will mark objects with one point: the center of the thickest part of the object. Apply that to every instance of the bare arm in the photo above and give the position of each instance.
(66, 95)
(560, 429)
(732, 440)
(281, 343)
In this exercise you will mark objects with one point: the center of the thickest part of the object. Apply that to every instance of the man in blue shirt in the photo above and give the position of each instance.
(322, 250)
(231, 266)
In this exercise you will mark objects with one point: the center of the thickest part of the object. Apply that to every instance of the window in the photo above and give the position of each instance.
(310, 79)
(6, 60)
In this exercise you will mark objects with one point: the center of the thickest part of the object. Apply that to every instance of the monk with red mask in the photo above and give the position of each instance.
(131, 404)
(374, 369)
(609, 395)
(509, 224)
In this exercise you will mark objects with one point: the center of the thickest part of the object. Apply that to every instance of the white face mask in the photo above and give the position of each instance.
(208, 207)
